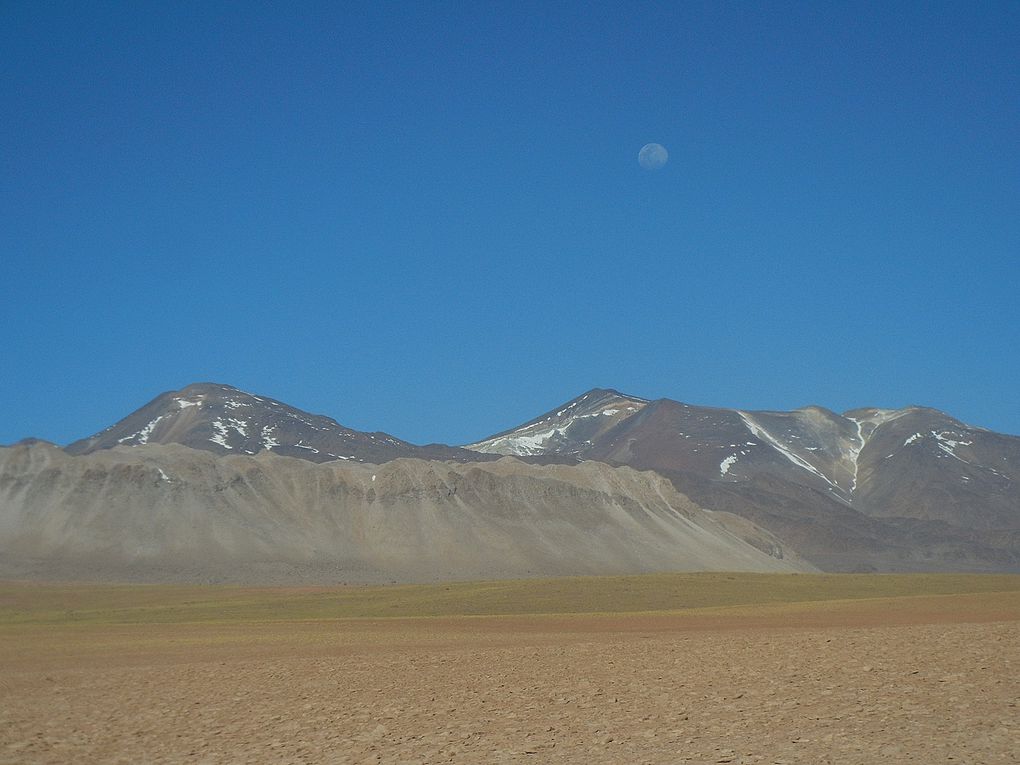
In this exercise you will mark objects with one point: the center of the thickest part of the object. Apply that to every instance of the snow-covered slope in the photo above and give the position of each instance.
(569, 429)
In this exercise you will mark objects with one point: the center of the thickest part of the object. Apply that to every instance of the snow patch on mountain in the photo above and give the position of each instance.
(952, 443)
(947, 442)
(268, 440)
(142, 436)
(524, 444)
(949, 445)
(878, 417)
(220, 437)
(726, 464)
(564, 429)
(760, 432)
(854, 451)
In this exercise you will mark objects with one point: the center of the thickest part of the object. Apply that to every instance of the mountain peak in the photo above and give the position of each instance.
(600, 392)
(567, 429)
(226, 420)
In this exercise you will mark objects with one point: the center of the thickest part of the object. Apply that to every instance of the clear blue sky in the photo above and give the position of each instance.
(429, 218)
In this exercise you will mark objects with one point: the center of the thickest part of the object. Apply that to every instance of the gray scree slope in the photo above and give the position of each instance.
(171, 513)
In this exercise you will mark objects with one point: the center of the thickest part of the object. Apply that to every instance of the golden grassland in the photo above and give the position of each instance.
(66, 624)
(64, 604)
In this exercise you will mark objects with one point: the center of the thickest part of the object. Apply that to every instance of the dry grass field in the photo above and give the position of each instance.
(692, 668)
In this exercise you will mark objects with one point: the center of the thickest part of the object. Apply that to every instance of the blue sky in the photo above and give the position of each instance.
(429, 218)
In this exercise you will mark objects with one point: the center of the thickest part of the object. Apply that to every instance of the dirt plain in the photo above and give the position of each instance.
(662, 669)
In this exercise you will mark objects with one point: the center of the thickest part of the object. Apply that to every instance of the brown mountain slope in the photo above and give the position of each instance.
(908, 489)
(225, 420)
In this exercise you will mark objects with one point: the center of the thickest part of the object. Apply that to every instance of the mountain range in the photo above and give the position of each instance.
(870, 489)
(867, 490)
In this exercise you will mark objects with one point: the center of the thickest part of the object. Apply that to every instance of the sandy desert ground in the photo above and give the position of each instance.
(831, 672)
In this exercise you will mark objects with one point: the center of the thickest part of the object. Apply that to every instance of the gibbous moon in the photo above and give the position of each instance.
(652, 156)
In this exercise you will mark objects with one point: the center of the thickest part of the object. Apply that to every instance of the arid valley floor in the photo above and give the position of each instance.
(692, 668)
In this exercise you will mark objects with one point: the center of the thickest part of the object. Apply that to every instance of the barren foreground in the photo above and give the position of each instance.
(911, 678)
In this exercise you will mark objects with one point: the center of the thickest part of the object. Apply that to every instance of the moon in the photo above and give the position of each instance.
(652, 156)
